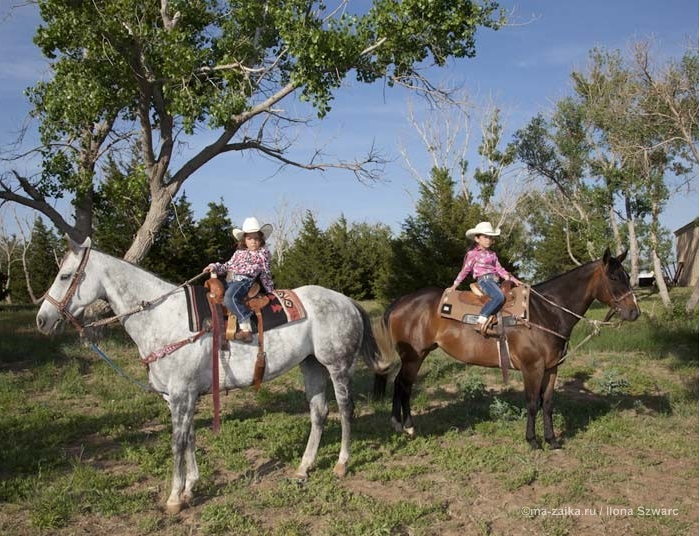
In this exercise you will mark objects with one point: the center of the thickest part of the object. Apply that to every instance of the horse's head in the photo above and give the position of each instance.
(71, 291)
(615, 288)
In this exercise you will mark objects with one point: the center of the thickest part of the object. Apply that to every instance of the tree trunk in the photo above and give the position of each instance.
(657, 264)
(157, 214)
(615, 230)
(633, 242)
(660, 280)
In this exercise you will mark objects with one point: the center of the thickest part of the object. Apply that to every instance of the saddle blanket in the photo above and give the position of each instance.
(464, 306)
(284, 307)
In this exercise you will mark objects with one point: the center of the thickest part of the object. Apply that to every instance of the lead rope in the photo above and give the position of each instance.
(596, 325)
(141, 306)
(145, 361)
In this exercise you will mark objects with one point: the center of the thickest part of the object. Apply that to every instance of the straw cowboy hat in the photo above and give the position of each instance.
(251, 225)
(483, 227)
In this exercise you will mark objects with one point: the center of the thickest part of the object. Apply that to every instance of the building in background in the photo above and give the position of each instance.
(687, 244)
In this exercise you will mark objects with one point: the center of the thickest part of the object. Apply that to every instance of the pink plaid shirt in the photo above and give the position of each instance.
(250, 263)
(481, 262)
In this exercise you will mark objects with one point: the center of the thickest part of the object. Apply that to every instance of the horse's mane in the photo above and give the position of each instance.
(413, 295)
(136, 266)
(564, 278)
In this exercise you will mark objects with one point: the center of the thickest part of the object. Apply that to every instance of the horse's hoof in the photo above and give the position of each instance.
(554, 444)
(534, 444)
(410, 432)
(397, 426)
(340, 470)
(173, 508)
(300, 476)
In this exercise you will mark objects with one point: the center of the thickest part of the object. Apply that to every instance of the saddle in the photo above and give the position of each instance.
(255, 300)
(465, 307)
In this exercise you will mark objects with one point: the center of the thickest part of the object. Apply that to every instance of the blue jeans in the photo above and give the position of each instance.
(489, 286)
(233, 298)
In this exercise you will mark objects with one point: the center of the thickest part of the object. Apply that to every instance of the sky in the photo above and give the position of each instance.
(523, 68)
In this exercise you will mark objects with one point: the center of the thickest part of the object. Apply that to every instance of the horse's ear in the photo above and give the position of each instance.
(75, 247)
(606, 256)
(621, 257)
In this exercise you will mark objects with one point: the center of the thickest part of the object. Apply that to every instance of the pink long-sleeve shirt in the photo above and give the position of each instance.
(250, 263)
(480, 261)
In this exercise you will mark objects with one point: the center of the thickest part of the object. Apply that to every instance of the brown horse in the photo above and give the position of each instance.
(414, 328)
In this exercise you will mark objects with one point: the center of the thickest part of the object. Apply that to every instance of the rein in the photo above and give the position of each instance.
(596, 324)
(153, 356)
(141, 306)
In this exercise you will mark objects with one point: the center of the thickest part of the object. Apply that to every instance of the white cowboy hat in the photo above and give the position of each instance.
(251, 225)
(483, 227)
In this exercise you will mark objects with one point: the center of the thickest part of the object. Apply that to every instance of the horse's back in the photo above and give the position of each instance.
(333, 319)
(414, 318)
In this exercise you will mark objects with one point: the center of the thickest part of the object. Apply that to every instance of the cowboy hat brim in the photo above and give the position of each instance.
(265, 229)
(483, 228)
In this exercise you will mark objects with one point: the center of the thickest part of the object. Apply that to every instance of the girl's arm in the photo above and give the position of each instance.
(469, 260)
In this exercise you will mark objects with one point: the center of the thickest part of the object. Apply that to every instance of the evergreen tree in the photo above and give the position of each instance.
(546, 254)
(214, 235)
(306, 262)
(432, 243)
(372, 252)
(121, 205)
(174, 253)
(343, 272)
(41, 260)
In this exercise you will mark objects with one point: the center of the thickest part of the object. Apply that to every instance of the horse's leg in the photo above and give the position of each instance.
(182, 406)
(401, 418)
(190, 458)
(315, 377)
(342, 384)
(533, 378)
(548, 385)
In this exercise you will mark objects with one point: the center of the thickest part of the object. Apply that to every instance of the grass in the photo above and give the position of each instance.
(85, 450)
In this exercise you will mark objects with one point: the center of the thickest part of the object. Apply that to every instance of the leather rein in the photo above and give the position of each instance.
(596, 324)
(73, 287)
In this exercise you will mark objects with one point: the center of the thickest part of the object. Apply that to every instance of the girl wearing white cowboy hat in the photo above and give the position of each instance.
(485, 266)
(250, 260)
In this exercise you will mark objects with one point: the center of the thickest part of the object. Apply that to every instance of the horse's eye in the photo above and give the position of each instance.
(65, 276)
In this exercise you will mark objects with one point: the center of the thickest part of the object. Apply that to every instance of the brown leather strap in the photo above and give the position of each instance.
(261, 361)
(216, 317)
(503, 350)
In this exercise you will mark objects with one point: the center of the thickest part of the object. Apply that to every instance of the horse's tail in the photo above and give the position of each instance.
(373, 349)
(385, 350)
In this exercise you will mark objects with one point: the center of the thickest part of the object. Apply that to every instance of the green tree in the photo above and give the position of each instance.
(120, 206)
(357, 255)
(215, 236)
(635, 110)
(345, 257)
(497, 159)
(431, 246)
(307, 260)
(156, 73)
(544, 254)
(40, 264)
(174, 255)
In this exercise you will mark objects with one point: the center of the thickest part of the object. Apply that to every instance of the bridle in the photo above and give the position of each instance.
(77, 276)
(596, 324)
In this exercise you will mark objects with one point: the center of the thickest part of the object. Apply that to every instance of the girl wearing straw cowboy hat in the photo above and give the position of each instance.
(251, 259)
(485, 266)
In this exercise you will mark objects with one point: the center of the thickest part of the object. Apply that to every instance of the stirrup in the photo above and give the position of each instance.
(243, 336)
(231, 327)
(487, 325)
